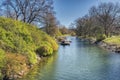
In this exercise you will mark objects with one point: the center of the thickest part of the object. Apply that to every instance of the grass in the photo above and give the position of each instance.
(113, 40)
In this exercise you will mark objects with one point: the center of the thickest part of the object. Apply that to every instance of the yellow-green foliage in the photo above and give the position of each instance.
(32, 57)
(113, 40)
(22, 38)
(45, 49)
(101, 36)
(52, 42)
(2, 57)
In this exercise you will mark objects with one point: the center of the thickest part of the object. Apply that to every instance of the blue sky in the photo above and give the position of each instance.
(69, 10)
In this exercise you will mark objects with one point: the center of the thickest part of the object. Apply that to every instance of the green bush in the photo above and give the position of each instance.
(32, 57)
(54, 45)
(45, 49)
(101, 37)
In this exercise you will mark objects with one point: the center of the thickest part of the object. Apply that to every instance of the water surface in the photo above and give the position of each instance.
(79, 61)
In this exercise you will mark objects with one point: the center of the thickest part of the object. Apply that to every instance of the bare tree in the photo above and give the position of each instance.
(27, 10)
(106, 14)
(84, 25)
(32, 11)
(51, 24)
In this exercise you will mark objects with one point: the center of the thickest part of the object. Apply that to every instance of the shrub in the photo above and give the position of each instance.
(54, 45)
(101, 37)
(45, 49)
(32, 57)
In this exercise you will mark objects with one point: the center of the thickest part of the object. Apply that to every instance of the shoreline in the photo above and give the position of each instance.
(24, 72)
(110, 47)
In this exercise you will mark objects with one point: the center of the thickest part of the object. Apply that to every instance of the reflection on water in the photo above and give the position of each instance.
(79, 61)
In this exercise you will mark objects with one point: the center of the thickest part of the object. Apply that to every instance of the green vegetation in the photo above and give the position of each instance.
(2, 57)
(45, 49)
(101, 37)
(19, 43)
(113, 40)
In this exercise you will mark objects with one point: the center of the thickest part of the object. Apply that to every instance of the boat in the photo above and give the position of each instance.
(65, 42)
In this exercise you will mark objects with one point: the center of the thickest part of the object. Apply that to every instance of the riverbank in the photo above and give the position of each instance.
(21, 47)
(80, 61)
(111, 44)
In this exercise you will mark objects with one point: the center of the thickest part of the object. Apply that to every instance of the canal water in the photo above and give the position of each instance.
(79, 61)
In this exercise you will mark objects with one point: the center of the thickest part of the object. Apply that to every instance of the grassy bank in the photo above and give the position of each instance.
(111, 43)
(115, 40)
(21, 45)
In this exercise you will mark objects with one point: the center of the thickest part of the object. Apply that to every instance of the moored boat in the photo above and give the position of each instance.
(65, 42)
